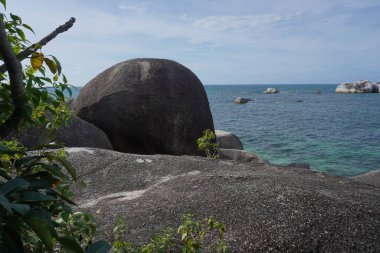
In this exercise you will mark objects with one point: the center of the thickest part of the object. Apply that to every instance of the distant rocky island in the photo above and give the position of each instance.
(362, 86)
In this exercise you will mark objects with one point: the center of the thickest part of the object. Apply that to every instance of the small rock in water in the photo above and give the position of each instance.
(299, 101)
(240, 100)
(271, 91)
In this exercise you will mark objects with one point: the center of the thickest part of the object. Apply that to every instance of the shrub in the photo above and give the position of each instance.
(191, 237)
(207, 144)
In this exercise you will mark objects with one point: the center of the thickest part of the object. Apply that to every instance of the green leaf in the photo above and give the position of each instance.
(15, 17)
(70, 244)
(99, 247)
(60, 95)
(12, 207)
(28, 161)
(4, 3)
(67, 165)
(21, 34)
(64, 78)
(65, 198)
(51, 64)
(59, 67)
(14, 184)
(28, 27)
(43, 227)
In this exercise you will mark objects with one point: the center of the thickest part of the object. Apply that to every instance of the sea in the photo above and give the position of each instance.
(335, 133)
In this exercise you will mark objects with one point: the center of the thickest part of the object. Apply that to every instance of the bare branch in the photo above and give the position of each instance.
(29, 50)
(14, 68)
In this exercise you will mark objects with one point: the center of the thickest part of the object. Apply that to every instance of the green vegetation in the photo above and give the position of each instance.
(35, 200)
(207, 144)
(191, 237)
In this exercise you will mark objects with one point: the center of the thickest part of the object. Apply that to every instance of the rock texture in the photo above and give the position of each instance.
(377, 87)
(372, 178)
(241, 156)
(240, 100)
(266, 208)
(271, 91)
(362, 86)
(227, 140)
(78, 133)
(147, 106)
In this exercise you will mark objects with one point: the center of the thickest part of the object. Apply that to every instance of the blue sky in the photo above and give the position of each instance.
(221, 41)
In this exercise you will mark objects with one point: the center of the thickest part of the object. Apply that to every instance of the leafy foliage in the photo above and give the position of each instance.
(44, 91)
(207, 144)
(35, 200)
(191, 237)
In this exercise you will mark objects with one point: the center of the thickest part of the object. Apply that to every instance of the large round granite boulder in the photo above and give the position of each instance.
(265, 208)
(147, 106)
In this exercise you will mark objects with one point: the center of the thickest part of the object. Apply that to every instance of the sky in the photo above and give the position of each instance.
(221, 41)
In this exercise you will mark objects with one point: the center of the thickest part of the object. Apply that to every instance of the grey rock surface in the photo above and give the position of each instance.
(271, 91)
(227, 140)
(147, 106)
(377, 87)
(266, 208)
(240, 100)
(77, 133)
(372, 178)
(240, 155)
(362, 86)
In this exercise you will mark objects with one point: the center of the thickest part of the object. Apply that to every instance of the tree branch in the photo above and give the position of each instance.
(29, 50)
(14, 68)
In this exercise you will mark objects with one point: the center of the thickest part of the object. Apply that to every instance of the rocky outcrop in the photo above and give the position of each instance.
(240, 100)
(362, 86)
(77, 133)
(265, 208)
(372, 178)
(271, 91)
(147, 106)
(227, 140)
(240, 156)
(377, 87)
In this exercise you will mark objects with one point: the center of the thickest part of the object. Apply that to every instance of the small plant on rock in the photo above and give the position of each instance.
(208, 144)
(191, 237)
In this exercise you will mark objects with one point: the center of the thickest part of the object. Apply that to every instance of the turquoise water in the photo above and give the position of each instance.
(335, 133)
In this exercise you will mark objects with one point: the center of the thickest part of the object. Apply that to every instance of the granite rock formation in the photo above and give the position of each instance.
(362, 86)
(372, 178)
(147, 106)
(227, 140)
(77, 133)
(266, 208)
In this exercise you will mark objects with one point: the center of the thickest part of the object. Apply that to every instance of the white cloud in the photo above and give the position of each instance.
(232, 23)
(138, 8)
